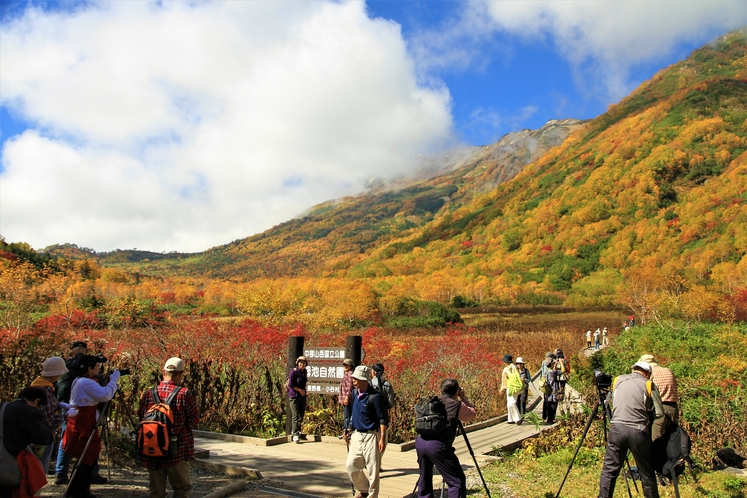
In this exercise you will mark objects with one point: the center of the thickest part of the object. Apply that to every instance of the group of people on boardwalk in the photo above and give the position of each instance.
(601, 338)
(72, 396)
(515, 380)
(367, 399)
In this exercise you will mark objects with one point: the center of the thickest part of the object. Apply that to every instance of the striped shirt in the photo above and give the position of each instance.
(664, 380)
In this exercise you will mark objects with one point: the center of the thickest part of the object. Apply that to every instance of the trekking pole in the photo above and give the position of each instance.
(469, 447)
(88, 444)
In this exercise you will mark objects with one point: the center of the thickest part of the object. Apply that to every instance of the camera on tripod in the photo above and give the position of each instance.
(602, 380)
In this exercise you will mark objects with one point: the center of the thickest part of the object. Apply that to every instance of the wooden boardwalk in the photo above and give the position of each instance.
(317, 466)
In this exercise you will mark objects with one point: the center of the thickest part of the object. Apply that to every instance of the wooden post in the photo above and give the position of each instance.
(295, 349)
(353, 345)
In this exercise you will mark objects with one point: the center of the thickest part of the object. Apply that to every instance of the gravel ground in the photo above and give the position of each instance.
(133, 482)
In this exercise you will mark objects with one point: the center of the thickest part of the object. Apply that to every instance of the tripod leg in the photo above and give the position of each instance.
(627, 482)
(627, 463)
(472, 453)
(108, 451)
(120, 396)
(583, 436)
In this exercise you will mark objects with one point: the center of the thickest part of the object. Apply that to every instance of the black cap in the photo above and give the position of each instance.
(508, 358)
(79, 344)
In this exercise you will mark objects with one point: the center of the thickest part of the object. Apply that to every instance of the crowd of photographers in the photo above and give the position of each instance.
(70, 396)
(73, 396)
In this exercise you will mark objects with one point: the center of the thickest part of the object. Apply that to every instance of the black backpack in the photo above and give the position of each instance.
(670, 454)
(430, 416)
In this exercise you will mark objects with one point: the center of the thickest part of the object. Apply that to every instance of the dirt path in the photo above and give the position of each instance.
(133, 482)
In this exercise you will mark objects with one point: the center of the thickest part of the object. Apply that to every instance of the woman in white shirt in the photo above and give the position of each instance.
(85, 394)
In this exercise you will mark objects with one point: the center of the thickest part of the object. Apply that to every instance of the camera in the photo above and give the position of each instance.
(124, 371)
(100, 358)
(602, 380)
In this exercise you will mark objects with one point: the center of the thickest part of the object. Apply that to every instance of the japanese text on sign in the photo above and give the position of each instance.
(320, 388)
(324, 354)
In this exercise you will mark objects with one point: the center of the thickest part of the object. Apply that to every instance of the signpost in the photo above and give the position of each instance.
(324, 370)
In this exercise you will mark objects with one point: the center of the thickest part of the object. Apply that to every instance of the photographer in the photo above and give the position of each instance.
(174, 467)
(438, 450)
(78, 350)
(85, 394)
(635, 403)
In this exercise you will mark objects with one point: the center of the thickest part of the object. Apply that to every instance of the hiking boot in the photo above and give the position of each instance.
(99, 479)
(61, 480)
(296, 439)
(302, 436)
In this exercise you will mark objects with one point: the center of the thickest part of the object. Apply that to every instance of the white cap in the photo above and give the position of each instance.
(174, 365)
(643, 366)
(519, 360)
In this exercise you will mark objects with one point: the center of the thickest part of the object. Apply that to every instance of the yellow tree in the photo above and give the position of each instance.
(18, 283)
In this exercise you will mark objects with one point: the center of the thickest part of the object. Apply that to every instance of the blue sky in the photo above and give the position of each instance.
(184, 125)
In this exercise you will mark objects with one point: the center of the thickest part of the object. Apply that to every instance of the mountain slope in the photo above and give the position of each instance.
(658, 181)
(334, 235)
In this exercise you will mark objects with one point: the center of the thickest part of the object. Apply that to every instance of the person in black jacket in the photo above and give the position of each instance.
(23, 424)
(438, 450)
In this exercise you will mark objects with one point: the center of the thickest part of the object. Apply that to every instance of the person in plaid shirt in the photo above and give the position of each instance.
(186, 416)
(52, 369)
(346, 390)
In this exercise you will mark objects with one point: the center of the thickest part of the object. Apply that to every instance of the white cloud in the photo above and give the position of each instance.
(185, 125)
(604, 39)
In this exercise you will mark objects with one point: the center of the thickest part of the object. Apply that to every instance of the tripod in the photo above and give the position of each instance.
(474, 459)
(102, 422)
(601, 402)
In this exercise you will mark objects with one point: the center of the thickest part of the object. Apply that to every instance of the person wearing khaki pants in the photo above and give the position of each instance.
(368, 439)
(175, 466)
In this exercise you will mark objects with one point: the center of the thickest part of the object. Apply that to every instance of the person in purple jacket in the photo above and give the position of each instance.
(297, 396)
(438, 450)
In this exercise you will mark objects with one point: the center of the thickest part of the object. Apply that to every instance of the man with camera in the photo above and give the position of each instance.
(186, 414)
(438, 449)
(635, 404)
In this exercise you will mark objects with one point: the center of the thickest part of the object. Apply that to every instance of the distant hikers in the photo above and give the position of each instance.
(597, 338)
(605, 337)
(588, 339)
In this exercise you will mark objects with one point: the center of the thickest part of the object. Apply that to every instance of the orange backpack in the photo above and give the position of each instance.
(154, 437)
